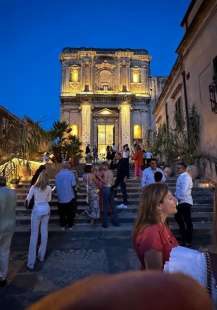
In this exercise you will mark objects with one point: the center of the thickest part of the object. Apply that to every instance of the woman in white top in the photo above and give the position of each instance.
(40, 217)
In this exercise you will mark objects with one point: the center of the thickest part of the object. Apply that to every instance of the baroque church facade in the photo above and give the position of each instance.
(107, 95)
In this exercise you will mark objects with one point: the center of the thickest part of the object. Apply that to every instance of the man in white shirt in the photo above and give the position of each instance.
(148, 174)
(114, 148)
(148, 156)
(184, 186)
(126, 157)
(65, 186)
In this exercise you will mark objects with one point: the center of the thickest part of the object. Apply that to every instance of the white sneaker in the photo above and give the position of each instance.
(120, 206)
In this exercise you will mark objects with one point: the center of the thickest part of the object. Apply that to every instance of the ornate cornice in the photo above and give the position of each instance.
(105, 65)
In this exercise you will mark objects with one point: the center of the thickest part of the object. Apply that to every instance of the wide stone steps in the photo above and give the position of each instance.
(202, 217)
(202, 212)
(86, 230)
(132, 197)
(132, 208)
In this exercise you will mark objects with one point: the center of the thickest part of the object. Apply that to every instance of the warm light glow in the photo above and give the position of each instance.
(20, 165)
(125, 122)
(74, 131)
(137, 132)
(105, 137)
(74, 75)
(86, 124)
(136, 76)
(105, 112)
(105, 92)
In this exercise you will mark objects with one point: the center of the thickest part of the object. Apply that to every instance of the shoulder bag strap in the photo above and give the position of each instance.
(213, 260)
(209, 273)
(87, 185)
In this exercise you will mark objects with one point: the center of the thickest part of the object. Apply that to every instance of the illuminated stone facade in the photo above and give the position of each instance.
(107, 94)
(193, 82)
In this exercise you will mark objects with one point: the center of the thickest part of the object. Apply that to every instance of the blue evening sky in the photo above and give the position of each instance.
(33, 33)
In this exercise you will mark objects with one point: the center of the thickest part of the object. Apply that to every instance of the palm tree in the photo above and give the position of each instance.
(64, 143)
(58, 129)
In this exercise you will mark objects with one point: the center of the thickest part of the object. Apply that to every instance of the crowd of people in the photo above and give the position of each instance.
(152, 238)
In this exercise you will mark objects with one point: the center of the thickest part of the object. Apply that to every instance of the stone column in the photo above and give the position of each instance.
(116, 137)
(85, 124)
(95, 132)
(125, 123)
(64, 77)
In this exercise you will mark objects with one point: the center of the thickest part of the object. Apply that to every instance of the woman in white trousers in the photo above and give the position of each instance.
(39, 219)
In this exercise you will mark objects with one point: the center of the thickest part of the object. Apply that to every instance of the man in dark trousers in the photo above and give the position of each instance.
(184, 186)
(122, 173)
(65, 187)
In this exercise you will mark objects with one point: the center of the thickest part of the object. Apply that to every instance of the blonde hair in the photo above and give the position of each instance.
(42, 181)
(148, 214)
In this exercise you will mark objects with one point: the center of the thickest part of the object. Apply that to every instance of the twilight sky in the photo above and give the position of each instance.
(33, 33)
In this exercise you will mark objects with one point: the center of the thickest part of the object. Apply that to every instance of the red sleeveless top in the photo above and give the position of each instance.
(155, 237)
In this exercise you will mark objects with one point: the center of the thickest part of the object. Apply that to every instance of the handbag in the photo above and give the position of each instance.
(201, 266)
(30, 205)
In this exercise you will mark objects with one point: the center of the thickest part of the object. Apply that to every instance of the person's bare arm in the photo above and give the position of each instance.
(153, 260)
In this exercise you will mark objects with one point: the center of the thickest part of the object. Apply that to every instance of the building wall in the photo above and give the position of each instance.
(198, 62)
(196, 53)
(96, 69)
(166, 110)
(113, 79)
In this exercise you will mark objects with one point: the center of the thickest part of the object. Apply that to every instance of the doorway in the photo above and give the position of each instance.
(105, 136)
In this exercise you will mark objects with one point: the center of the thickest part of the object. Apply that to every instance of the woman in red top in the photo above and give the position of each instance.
(153, 239)
(138, 161)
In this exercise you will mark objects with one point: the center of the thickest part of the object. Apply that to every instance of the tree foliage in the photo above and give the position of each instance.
(175, 144)
(22, 139)
(64, 144)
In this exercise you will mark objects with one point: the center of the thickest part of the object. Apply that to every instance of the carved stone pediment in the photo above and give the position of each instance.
(105, 66)
(105, 112)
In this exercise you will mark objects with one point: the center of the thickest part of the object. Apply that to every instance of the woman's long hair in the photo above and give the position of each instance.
(148, 214)
(42, 181)
(37, 173)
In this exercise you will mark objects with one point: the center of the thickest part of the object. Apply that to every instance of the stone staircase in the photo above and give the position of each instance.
(202, 214)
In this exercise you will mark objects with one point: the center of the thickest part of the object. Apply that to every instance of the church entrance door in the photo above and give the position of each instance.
(105, 136)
